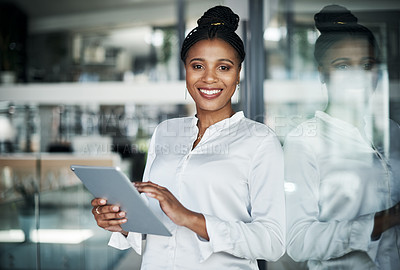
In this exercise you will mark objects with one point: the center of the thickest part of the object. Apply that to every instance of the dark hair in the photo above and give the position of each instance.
(217, 22)
(337, 23)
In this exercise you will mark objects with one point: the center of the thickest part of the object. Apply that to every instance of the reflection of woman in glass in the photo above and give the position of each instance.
(339, 184)
(217, 178)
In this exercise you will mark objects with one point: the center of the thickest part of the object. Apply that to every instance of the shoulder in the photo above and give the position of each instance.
(175, 125)
(306, 129)
(259, 135)
(256, 129)
(303, 139)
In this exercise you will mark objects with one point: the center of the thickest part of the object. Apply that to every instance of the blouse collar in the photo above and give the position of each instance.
(335, 122)
(224, 123)
(343, 127)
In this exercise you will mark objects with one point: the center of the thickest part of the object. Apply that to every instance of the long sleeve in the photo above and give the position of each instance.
(264, 236)
(134, 240)
(308, 237)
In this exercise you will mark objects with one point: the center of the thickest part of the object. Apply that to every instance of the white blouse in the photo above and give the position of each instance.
(234, 177)
(335, 183)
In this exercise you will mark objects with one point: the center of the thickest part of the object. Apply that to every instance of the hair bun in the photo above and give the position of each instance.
(219, 16)
(333, 17)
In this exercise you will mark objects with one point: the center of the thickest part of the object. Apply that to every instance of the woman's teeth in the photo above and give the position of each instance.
(210, 92)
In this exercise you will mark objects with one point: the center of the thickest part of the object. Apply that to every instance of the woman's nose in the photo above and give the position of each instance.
(210, 76)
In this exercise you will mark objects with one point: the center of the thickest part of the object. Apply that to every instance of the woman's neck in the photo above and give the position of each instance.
(209, 118)
(351, 114)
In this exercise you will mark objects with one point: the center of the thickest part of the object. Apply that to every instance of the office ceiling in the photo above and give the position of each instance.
(45, 8)
(78, 15)
(54, 15)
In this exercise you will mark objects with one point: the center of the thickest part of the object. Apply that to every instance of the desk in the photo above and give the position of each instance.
(22, 174)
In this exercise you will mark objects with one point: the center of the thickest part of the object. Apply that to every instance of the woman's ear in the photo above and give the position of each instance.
(376, 78)
(322, 76)
(238, 78)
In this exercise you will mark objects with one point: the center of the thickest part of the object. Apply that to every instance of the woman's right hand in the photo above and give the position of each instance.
(108, 217)
(385, 220)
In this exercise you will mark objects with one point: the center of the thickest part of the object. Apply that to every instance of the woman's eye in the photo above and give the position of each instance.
(368, 66)
(224, 68)
(197, 66)
(342, 67)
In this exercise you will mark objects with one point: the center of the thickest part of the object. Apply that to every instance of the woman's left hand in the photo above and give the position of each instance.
(168, 203)
(173, 208)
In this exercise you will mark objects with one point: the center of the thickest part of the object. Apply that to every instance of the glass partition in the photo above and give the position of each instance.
(330, 94)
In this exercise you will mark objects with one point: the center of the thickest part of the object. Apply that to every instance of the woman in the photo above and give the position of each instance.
(215, 180)
(341, 181)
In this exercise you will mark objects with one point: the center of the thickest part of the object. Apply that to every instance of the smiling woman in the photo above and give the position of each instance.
(212, 75)
(215, 179)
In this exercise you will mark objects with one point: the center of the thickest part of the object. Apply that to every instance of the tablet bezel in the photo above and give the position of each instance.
(113, 185)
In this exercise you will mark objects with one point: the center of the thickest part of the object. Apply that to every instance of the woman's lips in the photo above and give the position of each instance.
(210, 93)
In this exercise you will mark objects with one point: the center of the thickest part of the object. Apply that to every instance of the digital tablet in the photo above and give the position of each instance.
(113, 185)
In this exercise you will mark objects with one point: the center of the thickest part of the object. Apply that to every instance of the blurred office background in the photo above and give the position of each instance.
(86, 82)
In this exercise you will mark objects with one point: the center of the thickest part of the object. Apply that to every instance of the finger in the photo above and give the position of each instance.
(94, 212)
(112, 216)
(113, 225)
(105, 209)
(109, 209)
(147, 184)
(152, 188)
(154, 193)
(107, 220)
(151, 195)
(114, 228)
(158, 195)
(113, 222)
(146, 188)
(98, 201)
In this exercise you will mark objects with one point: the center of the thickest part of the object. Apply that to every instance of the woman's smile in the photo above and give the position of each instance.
(210, 93)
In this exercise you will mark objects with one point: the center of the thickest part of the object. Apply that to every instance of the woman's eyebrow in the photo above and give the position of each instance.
(339, 59)
(220, 60)
(369, 58)
(196, 59)
(226, 60)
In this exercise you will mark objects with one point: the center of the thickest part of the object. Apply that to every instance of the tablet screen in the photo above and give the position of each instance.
(113, 185)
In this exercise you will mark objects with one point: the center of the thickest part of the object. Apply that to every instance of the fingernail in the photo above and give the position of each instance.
(150, 194)
(124, 220)
(115, 208)
(122, 214)
(102, 201)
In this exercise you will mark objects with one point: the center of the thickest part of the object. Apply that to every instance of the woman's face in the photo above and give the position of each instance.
(212, 73)
(350, 71)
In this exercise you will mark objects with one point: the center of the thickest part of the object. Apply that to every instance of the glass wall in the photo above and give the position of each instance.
(331, 93)
(128, 50)
(46, 221)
